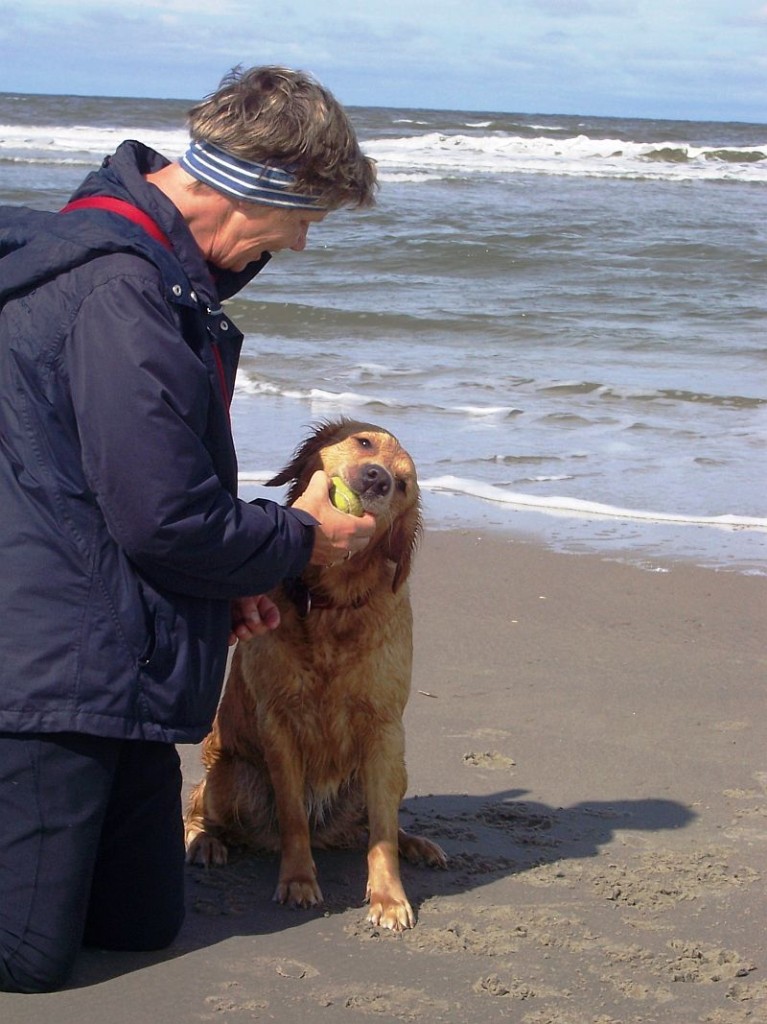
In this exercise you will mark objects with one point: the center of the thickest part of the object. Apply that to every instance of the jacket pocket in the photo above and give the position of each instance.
(158, 656)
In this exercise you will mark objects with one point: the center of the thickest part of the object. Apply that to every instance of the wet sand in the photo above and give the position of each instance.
(587, 740)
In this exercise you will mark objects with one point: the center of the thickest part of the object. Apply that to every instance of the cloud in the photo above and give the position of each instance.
(579, 8)
(633, 57)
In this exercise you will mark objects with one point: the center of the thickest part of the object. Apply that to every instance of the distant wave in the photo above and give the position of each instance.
(251, 385)
(576, 507)
(354, 399)
(423, 157)
(637, 394)
(53, 160)
(460, 156)
(56, 143)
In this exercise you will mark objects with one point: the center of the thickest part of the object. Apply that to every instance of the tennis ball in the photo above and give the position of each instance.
(344, 498)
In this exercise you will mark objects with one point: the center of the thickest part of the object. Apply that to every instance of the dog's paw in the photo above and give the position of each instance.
(298, 892)
(416, 849)
(206, 850)
(389, 912)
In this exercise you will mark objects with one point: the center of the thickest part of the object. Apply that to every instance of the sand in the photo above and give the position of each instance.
(587, 740)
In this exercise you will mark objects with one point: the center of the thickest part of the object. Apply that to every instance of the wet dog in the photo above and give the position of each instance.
(308, 744)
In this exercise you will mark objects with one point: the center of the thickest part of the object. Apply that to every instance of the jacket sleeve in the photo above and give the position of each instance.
(141, 400)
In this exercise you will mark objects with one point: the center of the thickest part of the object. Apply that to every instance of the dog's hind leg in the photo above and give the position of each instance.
(232, 806)
(201, 846)
(419, 850)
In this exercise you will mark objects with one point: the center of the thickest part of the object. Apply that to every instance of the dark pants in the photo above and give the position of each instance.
(91, 851)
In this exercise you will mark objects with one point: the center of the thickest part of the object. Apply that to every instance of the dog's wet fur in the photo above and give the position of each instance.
(308, 745)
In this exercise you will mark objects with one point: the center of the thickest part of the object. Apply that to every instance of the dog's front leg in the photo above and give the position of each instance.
(385, 783)
(297, 884)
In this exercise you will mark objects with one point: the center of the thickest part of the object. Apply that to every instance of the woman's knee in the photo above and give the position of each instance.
(144, 935)
(29, 971)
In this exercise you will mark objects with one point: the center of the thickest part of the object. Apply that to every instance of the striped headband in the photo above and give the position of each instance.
(244, 179)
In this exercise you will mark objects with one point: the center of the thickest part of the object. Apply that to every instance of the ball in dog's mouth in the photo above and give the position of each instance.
(344, 498)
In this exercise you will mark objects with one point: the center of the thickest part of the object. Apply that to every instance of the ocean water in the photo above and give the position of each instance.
(563, 318)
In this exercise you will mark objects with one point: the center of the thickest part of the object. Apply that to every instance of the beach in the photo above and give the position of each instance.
(562, 319)
(586, 739)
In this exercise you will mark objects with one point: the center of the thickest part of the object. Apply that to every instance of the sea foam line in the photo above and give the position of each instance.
(557, 506)
(580, 155)
(59, 139)
(427, 155)
(344, 400)
(578, 508)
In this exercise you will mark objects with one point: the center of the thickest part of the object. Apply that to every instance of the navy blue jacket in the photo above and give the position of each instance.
(122, 540)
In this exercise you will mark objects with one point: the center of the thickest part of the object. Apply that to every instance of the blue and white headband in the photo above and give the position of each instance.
(244, 179)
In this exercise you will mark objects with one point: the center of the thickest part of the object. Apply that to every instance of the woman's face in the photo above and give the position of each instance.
(250, 229)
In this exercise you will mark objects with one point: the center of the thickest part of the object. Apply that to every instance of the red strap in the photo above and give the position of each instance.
(127, 210)
(133, 213)
(221, 376)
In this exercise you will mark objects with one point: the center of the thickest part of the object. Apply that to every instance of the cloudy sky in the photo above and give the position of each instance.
(687, 59)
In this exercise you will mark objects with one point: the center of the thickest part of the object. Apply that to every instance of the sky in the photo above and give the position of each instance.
(681, 59)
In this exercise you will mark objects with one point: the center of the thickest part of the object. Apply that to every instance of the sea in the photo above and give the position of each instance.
(563, 318)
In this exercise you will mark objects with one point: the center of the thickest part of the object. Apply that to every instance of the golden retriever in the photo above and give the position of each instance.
(307, 748)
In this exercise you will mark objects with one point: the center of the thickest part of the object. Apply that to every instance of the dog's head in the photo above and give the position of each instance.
(374, 465)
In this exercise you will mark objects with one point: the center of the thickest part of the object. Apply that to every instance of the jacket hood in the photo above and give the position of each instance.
(123, 175)
(37, 245)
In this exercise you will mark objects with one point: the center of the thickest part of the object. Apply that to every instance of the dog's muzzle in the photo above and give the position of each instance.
(372, 479)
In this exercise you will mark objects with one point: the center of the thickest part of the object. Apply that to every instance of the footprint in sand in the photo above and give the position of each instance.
(489, 759)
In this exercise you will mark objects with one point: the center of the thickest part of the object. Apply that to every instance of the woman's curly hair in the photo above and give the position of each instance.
(284, 118)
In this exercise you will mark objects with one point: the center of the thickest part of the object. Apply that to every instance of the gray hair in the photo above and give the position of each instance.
(286, 119)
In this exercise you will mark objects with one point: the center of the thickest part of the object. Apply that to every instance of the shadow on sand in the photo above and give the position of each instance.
(486, 838)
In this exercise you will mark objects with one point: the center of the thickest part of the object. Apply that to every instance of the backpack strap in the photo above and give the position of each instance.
(127, 210)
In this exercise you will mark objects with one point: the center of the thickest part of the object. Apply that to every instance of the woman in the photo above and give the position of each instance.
(128, 560)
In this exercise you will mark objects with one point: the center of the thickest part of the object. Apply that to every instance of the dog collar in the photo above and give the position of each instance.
(305, 599)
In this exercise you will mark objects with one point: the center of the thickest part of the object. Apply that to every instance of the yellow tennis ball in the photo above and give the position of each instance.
(344, 498)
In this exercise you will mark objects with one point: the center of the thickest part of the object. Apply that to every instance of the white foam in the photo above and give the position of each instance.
(341, 399)
(461, 155)
(256, 476)
(58, 140)
(484, 410)
(424, 157)
(248, 385)
(578, 508)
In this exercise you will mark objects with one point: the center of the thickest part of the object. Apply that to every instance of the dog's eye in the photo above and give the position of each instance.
(401, 485)
(364, 442)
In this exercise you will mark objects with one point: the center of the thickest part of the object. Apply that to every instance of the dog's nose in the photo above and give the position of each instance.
(376, 480)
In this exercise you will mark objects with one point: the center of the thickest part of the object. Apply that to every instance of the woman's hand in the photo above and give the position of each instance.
(253, 616)
(338, 536)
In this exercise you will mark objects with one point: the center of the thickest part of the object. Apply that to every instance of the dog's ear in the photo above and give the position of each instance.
(304, 461)
(403, 538)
